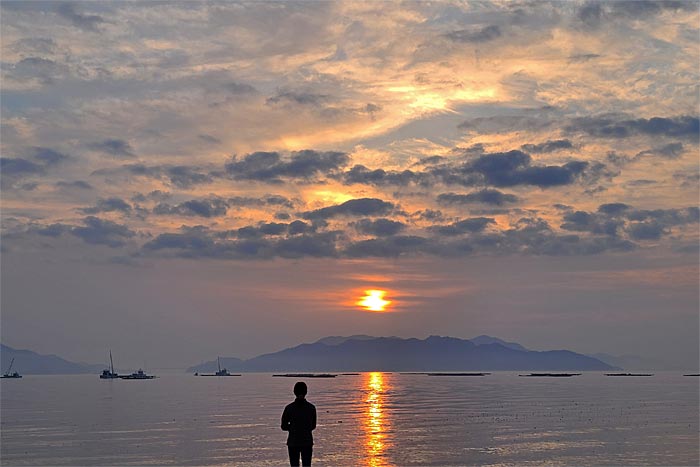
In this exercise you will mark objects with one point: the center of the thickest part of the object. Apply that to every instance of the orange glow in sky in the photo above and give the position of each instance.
(374, 300)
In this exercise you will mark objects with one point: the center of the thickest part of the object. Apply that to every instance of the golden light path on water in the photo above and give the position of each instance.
(375, 422)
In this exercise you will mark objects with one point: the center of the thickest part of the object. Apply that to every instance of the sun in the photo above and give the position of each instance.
(374, 300)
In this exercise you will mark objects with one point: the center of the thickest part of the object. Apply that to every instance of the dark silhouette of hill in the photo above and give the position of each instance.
(483, 339)
(32, 363)
(434, 353)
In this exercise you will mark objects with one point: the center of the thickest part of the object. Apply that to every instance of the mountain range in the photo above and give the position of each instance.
(435, 353)
(32, 363)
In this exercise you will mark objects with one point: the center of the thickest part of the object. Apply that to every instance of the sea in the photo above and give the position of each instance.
(368, 419)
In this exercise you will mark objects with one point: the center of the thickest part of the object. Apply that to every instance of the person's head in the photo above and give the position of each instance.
(300, 389)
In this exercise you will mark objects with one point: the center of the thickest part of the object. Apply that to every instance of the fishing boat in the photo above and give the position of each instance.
(137, 375)
(109, 374)
(11, 375)
(220, 372)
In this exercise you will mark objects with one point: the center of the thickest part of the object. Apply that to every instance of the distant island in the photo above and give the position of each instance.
(435, 353)
(32, 363)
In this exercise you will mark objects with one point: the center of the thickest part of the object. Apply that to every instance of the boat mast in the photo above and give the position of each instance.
(111, 363)
(10, 369)
(218, 364)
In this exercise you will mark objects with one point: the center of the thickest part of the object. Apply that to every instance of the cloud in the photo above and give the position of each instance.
(475, 35)
(155, 195)
(78, 184)
(685, 126)
(108, 205)
(548, 146)
(613, 209)
(298, 97)
(208, 207)
(240, 88)
(514, 168)
(390, 247)
(485, 196)
(582, 221)
(53, 230)
(472, 225)
(38, 161)
(265, 200)
(48, 156)
(318, 245)
(10, 166)
(360, 174)
(103, 232)
(353, 207)
(181, 176)
(614, 219)
(272, 167)
(581, 58)
(502, 169)
(593, 13)
(262, 230)
(196, 243)
(379, 227)
(79, 20)
(114, 147)
(39, 45)
(209, 139)
(645, 230)
(667, 151)
(688, 180)
(45, 70)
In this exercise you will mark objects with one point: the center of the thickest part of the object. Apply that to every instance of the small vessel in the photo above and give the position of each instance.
(109, 374)
(11, 375)
(137, 375)
(221, 372)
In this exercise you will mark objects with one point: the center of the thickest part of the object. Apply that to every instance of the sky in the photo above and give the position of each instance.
(191, 179)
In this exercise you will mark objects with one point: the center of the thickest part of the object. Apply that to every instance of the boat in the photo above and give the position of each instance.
(109, 374)
(552, 375)
(7, 374)
(220, 372)
(137, 375)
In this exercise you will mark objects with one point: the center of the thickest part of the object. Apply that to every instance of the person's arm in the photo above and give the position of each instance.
(313, 419)
(285, 420)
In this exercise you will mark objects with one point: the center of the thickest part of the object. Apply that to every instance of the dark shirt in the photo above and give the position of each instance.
(299, 419)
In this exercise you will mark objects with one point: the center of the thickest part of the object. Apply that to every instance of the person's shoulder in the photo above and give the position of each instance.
(310, 405)
(289, 406)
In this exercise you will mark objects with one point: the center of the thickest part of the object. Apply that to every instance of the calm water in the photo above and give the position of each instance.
(373, 419)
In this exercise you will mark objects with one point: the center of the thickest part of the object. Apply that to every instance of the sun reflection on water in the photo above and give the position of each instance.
(375, 421)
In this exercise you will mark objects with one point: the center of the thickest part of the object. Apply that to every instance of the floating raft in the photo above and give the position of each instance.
(552, 375)
(445, 374)
(212, 374)
(628, 374)
(693, 374)
(306, 375)
(458, 374)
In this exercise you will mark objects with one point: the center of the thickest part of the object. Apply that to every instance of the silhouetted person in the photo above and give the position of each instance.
(299, 419)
